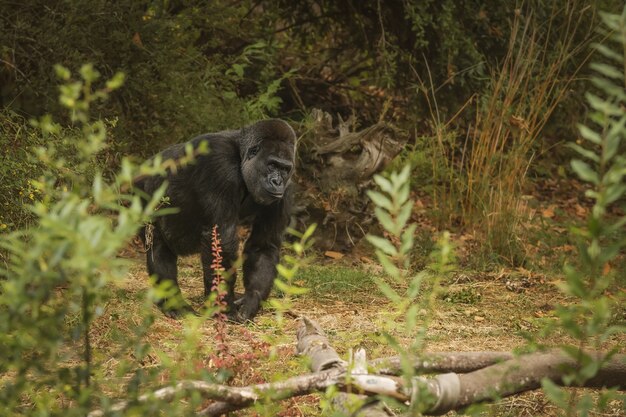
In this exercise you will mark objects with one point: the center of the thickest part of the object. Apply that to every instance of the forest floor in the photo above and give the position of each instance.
(479, 308)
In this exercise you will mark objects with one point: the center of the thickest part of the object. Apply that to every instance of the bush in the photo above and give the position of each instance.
(591, 319)
(54, 283)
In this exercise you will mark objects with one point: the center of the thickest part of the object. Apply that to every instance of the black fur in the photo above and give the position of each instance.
(245, 177)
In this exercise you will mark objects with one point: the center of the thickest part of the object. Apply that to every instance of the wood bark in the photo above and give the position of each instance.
(523, 373)
(351, 155)
(460, 362)
(313, 343)
(336, 162)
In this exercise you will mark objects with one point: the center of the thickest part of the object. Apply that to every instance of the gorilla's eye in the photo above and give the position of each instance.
(253, 151)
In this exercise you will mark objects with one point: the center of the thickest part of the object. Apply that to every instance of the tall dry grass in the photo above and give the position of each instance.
(483, 178)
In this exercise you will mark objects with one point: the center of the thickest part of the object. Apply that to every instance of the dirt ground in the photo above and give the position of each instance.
(479, 307)
(475, 311)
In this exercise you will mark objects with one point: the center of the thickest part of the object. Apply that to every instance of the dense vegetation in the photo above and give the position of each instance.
(495, 100)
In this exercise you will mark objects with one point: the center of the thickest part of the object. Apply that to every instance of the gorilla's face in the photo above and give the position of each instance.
(268, 160)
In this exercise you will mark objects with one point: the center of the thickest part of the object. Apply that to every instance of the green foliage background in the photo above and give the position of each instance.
(197, 66)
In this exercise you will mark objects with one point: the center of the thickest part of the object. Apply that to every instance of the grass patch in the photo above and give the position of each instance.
(337, 281)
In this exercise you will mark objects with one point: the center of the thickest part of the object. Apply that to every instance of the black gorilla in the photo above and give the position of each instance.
(245, 177)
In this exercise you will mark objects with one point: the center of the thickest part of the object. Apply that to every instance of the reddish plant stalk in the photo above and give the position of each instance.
(219, 289)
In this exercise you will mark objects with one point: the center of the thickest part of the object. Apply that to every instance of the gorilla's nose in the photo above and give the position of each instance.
(276, 182)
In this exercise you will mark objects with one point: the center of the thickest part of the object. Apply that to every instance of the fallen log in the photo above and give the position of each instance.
(524, 373)
(459, 362)
(469, 378)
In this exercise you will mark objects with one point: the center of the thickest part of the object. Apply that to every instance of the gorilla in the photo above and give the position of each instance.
(244, 178)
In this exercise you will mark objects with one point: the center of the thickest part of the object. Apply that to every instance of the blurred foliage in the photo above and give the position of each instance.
(595, 314)
(59, 275)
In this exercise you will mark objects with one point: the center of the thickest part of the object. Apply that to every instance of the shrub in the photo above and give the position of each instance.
(591, 319)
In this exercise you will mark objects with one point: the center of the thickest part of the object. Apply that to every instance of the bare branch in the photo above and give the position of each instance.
(460, 362)
(491, 375)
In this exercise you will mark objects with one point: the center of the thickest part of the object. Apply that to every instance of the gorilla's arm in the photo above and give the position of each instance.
(261, 255)
(220, 199)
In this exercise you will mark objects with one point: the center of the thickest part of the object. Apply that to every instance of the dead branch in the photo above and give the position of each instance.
(459, 362)
(524, 373)
(490, 375)
(239, 397)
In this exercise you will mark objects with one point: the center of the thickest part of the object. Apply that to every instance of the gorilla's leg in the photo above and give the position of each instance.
(230, 245)
(162, 265)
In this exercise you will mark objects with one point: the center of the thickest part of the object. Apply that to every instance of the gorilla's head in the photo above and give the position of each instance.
(267, 150)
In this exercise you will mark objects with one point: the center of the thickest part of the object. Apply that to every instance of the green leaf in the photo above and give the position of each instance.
(383, 183)
(411, 317)
(612, 21)
(585, 172)
(380, 200)
(386, 221)
(614, 192)
(416, 284)
(403, 216)
(403, 176)
(388, 266)
(309, 232)
(403, 194)
(284, 272)
(613, 138)
(97, 188)
(602, 105)
(555, 394)
(89, 73)
(389, 292)
(584, 152)
(62, 72)
(617, 225)
(608, 52)
(116, 82)
(407, 239)
(610, 88)
(238, 69)
(607, 70)
(382, 244)
(574, 284)
(589, 134)
(290, 289)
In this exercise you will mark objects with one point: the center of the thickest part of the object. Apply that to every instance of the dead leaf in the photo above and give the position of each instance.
(548, 213)
(137, 40)
(333, 254)
(580, 210)
(568, 248)
(606, 269)
(466, 237)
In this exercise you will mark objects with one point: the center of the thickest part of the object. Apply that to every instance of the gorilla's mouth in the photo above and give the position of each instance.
(274, 194)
